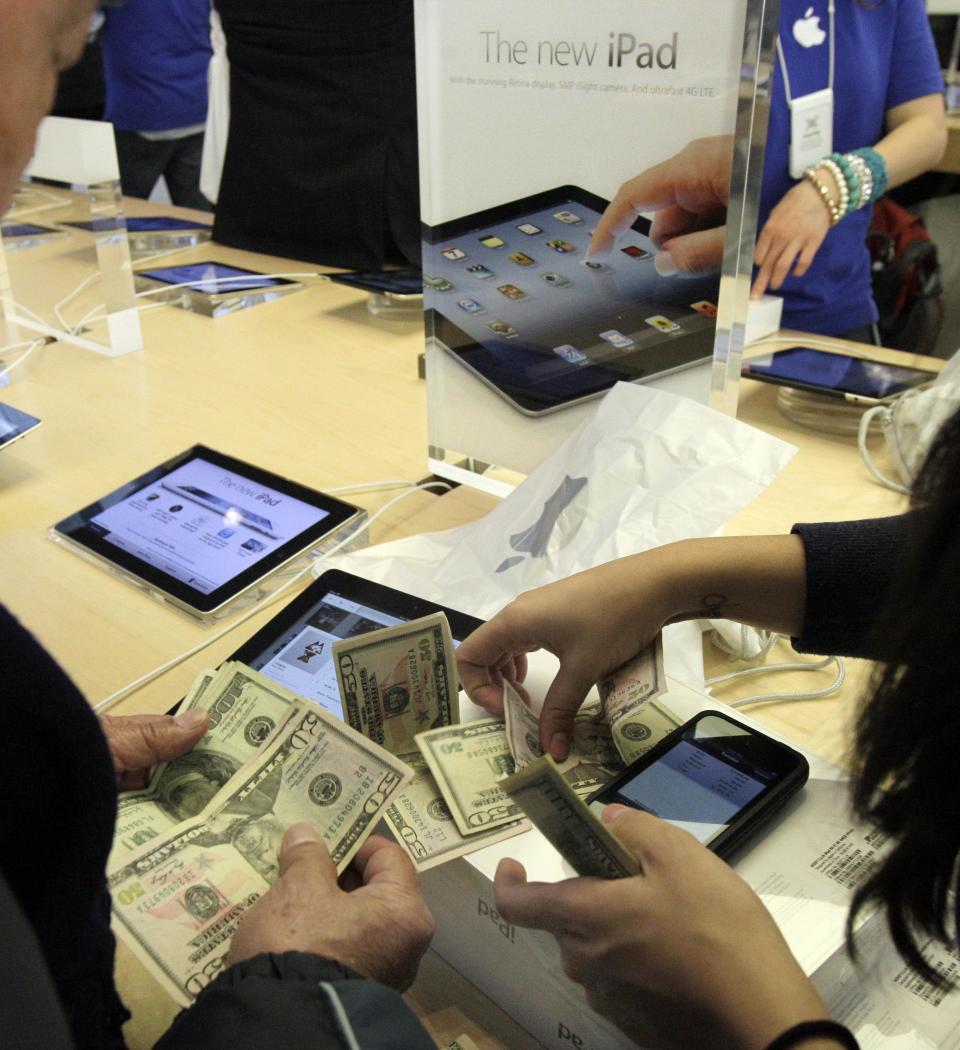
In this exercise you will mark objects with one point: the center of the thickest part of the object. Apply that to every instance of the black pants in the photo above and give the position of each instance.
(143, 161)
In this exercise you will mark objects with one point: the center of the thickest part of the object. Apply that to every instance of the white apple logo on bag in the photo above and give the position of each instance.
(807, 31)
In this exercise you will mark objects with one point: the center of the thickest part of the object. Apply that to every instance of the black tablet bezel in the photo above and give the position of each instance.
(108, 225)
(227, 289)
(682, 352)
(747, 371)
(35, 229)
(76, 528)
(367, 281)
(376, 595)
(23, 426)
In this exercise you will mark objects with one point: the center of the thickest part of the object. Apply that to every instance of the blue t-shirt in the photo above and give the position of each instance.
(885, 56)
(155, 58)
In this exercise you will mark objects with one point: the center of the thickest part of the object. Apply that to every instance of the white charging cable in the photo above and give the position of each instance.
(31, 344)
(769, 640)
(150, 676)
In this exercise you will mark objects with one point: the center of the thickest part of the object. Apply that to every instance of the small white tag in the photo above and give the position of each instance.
(811, 130)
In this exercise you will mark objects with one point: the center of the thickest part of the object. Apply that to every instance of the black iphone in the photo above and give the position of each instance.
(714, 777)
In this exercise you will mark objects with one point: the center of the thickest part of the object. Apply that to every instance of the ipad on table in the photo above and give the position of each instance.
(404, 284)
(139, 224)
(213, 288)
(511, 294)
(204, 528)
(293, 649)
(14, 424)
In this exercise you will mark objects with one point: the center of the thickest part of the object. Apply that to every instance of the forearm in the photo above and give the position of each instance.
(915, 140)
(755, 580)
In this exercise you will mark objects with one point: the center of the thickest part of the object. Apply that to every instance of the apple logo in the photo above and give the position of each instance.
(807, 31)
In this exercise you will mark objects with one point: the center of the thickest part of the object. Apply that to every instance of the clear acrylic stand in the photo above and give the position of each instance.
(77, 163)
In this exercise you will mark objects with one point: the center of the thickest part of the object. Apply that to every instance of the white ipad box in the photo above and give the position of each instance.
(803, 865)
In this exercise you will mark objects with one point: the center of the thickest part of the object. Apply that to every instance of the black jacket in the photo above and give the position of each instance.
(56, 946)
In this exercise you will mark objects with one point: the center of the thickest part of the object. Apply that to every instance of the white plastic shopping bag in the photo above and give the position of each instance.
(647, 469)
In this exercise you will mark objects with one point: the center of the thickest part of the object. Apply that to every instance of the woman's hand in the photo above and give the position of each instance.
(139, 742)
(689, 193)
(593, 622)
(597, 620)
(792, 235)
(686, 944)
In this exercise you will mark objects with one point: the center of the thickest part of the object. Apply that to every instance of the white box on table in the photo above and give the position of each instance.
(800, 866)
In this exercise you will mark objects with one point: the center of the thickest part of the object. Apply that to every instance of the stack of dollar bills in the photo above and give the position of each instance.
(199, 845)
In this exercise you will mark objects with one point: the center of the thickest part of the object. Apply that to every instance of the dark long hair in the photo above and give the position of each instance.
(907, 759)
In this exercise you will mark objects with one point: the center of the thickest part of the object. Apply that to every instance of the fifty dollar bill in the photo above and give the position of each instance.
(399, 681)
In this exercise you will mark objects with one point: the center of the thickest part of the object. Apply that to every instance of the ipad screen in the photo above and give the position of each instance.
(211, 278)
(517, 299)
(14, 424)
(295, 649)
(204, 526)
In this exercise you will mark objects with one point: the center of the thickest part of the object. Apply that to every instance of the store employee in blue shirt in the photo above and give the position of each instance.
(856, 106)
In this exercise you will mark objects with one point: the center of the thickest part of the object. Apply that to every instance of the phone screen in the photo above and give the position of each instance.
(712, 772)
(836, 373)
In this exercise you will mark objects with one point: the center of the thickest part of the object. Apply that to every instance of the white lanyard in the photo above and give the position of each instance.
(831, 13)
(811, 116)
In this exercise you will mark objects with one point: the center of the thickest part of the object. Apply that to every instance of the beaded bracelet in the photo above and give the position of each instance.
(810, 174)
(812, 1029)
(843, 203)
(852, 177)
(878, 169)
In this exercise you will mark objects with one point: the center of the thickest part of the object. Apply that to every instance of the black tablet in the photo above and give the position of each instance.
(294, 648)
(212, 278)
(140, 224)
(398, 284)
(511, 294)
(14, 230)
(14, 424)
(202, 528)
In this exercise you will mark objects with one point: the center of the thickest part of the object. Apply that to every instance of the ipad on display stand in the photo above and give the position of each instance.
(512, 295)
(205, 530)
(212, 288)
(17, 235)
(14, 425)
(396, 294)
(294, 648)
(153, 233)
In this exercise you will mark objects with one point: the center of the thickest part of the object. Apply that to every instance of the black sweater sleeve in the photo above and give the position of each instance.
(850, 565)
(296, 1001)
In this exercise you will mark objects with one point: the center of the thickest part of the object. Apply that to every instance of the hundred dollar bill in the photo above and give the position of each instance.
(399, 681)
(578, 836)
(467, 762)
(422, 823)
(593, 758)
(177, 902)
(244, 708)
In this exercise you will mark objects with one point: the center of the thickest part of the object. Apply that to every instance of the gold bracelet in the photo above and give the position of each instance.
(811, 176)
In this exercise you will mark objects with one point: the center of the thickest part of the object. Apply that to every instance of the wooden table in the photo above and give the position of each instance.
(313, 387)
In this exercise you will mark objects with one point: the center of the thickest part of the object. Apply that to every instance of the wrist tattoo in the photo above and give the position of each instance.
(711, 606)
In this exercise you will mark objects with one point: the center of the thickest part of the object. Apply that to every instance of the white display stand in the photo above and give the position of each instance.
(81, 156)
(515, 99)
